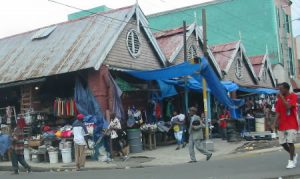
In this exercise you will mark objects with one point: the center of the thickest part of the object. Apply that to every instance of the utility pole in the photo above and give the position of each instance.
(208, 144)
(186, 95)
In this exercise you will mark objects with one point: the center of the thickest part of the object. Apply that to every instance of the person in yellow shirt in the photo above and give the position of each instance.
(178, 122)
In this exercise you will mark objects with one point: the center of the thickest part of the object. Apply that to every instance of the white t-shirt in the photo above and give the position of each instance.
(79, 132)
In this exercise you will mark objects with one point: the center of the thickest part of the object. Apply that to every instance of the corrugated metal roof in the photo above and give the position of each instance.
(169, 41)
(70, 46)
(257, 63)
(224, 53)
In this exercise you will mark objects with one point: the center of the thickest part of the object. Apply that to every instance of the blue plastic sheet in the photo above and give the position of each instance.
(117, 103)
(166, 90)
(183, 69)
(230, 86)
(5, 143)
(258, 90)
(87, 105)
(187, 69)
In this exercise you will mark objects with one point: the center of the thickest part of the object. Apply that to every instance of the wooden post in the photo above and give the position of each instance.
(186, 94)
(204, 88)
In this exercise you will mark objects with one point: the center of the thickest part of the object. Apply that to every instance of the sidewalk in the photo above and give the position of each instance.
(159, 157)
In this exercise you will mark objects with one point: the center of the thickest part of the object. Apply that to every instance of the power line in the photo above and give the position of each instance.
(99, 14)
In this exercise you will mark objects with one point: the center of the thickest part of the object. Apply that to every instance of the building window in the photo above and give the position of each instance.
(282, 55)
(287, 23)
(291, 62)
(192, 53)
(133, 43)
(238, 68)
(278, 16)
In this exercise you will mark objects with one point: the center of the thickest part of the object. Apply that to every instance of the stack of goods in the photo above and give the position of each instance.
(64, 132)
(48, 133)
(134, 118)
(65, 108)
(149, 128)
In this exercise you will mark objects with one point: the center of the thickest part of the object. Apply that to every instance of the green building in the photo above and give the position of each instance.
(260, 24)
(80, 14)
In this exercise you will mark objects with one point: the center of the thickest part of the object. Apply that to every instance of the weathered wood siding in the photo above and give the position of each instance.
(192, 40)
(246, 80)
(266, 83)
(120, 57)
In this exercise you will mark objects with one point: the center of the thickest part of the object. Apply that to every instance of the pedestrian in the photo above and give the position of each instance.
(196, 136)
(223, 123)
(80, 141)
(178, 122)
(286, 110)
(17, 150)
(115, 134)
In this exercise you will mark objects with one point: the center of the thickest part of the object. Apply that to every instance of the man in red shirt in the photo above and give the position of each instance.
(286, 109)
(223, 123)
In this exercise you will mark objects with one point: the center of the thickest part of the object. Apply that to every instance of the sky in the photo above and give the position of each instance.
(17, 16)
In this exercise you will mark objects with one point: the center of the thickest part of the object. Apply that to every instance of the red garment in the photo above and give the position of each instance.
(223, 123)
(287, 120)
(75, 108)
(157, 111)
(21, 123)
(68, 107)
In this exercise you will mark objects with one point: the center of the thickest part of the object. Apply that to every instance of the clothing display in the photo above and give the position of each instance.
(65, 107)
(134, 117)
(7, 115)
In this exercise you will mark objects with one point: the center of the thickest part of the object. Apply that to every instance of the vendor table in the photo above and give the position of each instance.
(149, 140)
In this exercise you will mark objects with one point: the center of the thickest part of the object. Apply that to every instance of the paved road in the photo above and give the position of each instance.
(270, 165)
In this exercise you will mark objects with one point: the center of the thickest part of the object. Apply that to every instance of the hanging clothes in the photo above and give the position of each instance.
(169, 109)
(157, 111)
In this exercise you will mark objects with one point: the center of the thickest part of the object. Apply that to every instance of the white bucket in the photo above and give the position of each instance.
(260, 124)
(27, 154)
(53, 157)
(66, 155)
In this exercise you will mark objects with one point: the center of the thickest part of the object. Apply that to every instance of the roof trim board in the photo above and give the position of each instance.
(211, 56)
(142, 18)
(190, 31)
(234, 54)
(113, 41)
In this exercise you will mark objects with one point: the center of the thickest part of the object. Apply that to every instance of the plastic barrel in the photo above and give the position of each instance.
(66, 155)
(27, 154)
(135, 141)
(260, 124)
(53, 157)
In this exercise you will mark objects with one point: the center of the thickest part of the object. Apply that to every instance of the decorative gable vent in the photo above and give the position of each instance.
(192, 53)
(238, 68)
(133, 43)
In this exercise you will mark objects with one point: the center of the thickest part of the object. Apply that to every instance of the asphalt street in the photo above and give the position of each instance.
(268, 165)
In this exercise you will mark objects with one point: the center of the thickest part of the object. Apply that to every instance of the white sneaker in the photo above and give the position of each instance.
(290, 164)
(295, 159)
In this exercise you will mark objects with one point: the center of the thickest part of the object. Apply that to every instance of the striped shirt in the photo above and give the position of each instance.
(18, 141)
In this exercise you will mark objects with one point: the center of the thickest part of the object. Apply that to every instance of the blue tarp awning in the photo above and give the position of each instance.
(187, 69)
(258, 90)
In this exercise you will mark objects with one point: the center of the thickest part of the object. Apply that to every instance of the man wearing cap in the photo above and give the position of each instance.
(196, 136)
(80, 141)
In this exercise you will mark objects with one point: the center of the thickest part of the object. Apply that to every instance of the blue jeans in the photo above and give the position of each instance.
(105, 142)
(16, 159)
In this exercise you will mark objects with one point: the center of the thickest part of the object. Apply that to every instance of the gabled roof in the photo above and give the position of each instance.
(171, 42)
(71, 46)
(225, 55)
(258, 62)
